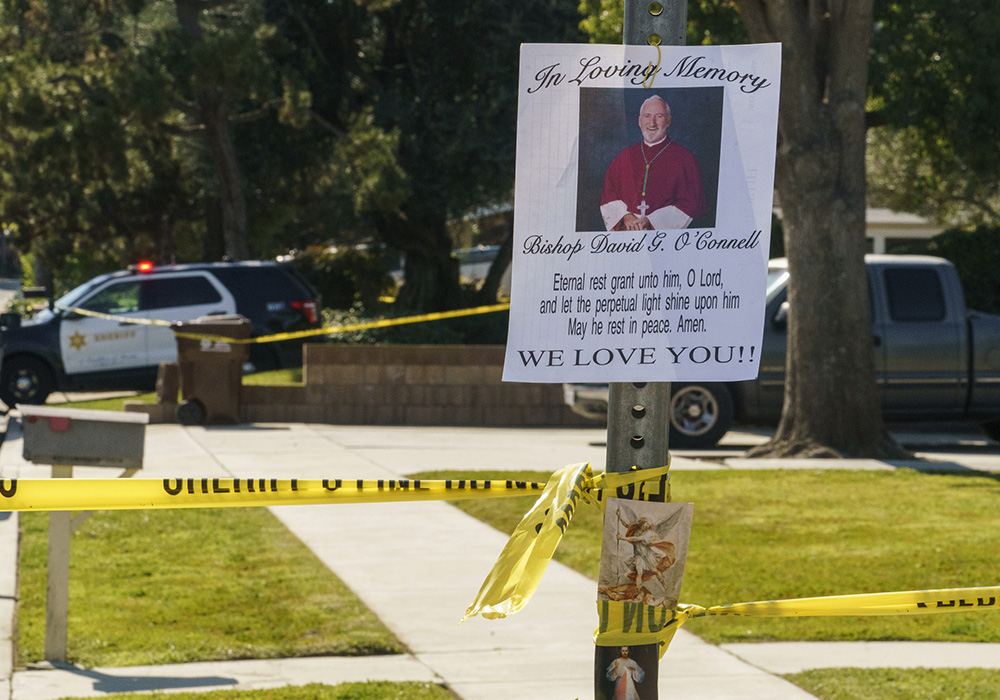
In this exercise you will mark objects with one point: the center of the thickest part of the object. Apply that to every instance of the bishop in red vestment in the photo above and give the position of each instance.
(654, 184)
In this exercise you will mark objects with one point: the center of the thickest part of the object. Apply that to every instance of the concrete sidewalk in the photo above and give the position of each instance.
(417, 566)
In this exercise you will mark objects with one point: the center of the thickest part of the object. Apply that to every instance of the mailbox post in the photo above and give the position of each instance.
(63, 437)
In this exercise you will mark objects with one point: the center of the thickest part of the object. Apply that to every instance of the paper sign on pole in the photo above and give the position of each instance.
(642, 212)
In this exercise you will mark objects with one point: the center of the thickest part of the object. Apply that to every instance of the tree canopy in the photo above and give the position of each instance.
(192, 129)
(935, 87)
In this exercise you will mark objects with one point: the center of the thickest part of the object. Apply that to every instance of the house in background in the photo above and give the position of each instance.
(890, 231)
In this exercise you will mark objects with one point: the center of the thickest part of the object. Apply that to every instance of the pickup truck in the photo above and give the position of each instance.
(935, 359)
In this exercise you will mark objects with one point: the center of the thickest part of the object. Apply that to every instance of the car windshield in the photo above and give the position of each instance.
(71, 298)
(776, 279)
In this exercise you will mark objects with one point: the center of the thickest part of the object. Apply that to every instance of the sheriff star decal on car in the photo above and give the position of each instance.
(77, 341)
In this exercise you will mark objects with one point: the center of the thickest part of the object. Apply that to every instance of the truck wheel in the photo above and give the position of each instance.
(700, 414)
(25, 380)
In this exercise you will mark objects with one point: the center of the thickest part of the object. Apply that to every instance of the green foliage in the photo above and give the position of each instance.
(370, 172)
(346, 118)
(935, 73)
(175, 586)
(483, 329)
(709, 22)
(976, 256)
(346, 276)
(904, 176)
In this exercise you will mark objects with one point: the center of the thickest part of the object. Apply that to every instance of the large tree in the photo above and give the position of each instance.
(445, 77)
(276, 122)
(830, 404)
(171, 129)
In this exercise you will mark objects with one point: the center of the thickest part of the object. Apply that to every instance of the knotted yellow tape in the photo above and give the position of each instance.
(296, 335)
(518, 570)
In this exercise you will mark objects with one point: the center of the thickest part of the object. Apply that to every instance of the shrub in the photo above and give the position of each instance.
(483, 329)
(346, 276)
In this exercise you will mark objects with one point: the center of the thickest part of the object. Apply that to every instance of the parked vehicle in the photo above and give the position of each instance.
(935, 359)
(62, 350)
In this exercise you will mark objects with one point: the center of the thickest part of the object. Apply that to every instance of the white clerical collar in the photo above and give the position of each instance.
(654, 144)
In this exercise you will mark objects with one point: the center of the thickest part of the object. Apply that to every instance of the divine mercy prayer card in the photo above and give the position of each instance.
(642, 212)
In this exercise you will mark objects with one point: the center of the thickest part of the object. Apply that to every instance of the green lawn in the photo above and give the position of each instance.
(314, 691)
(112, 404)
(172, 586)
(789, 534)
(900, 684)
(141, 595)
(278, 377)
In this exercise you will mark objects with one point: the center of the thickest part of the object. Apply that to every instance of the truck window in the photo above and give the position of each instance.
(915, 294)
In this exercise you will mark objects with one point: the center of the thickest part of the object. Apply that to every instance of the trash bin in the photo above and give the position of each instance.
(211, 371)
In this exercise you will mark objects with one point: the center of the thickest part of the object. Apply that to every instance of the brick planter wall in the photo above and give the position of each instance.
(408, 385)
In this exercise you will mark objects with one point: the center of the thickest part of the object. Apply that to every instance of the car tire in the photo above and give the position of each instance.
(25, 379)
(700, 414)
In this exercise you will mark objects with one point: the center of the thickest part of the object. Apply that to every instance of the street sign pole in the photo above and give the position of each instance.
(639, 413)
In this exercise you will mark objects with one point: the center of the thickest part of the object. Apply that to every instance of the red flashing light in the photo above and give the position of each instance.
(306, 307)
(144, 266)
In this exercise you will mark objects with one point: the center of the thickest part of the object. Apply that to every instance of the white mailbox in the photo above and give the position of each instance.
(83, 437)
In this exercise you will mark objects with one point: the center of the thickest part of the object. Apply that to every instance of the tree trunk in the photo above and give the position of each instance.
(430, 273)
(431, 282)
(214, 112)
(165, 251)
(831, 403)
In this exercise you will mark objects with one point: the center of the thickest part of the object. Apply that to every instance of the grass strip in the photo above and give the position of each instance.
(278, 377)
(313, 691)
(763, 535)
(900, 683)
(174, 586)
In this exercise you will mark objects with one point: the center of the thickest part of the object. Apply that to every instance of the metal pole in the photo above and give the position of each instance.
(639, 413)
(57, 579)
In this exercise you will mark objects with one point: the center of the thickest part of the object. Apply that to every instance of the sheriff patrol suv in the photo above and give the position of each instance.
(62, 350)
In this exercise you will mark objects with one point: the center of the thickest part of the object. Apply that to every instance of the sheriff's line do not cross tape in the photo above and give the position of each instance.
(138, 494)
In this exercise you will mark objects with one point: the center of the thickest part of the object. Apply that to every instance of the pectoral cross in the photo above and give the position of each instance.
(643, 208)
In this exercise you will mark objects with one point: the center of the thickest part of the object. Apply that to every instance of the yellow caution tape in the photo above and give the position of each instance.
(623, 623)
(134, 494)
(519, 568)
(929, 602)
(296, 335)
(633, 624)
(507, 589)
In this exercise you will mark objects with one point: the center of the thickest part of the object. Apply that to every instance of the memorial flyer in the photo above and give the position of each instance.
(642, 212)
